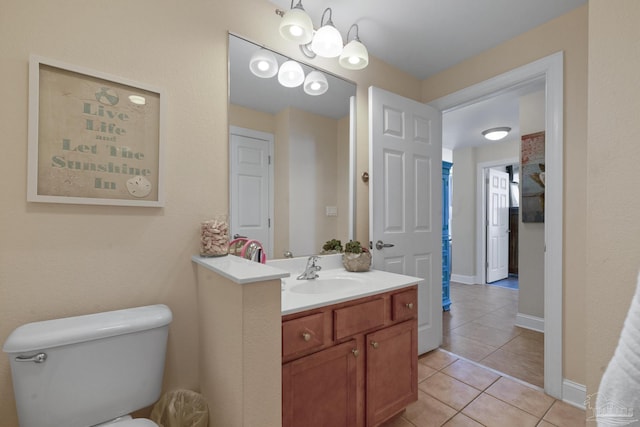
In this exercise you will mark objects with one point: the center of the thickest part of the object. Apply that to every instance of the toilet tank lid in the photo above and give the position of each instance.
(71, 330)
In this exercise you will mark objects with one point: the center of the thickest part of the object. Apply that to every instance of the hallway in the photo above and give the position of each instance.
(481, 327)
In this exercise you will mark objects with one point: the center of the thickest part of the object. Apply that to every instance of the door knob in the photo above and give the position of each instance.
(374, 344)
(237, 236)
(380, 244)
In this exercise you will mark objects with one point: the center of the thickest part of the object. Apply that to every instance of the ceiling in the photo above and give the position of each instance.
(425, 37)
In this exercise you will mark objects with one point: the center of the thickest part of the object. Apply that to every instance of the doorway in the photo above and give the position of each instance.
(501, 208)
(550, 69)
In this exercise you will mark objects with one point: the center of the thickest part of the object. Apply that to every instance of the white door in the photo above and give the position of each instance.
(405, 197)
(497, 225)
(251, 185)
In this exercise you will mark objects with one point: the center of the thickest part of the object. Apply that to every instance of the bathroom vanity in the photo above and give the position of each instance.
(352, 363)
(349, 347)
(339, 350)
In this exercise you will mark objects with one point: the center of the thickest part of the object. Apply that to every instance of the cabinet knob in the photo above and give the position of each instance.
(374, 344)
(306, 336)
(409, 305)
(355, 352)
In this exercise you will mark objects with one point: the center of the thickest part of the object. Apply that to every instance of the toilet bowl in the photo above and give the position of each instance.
(90, 370)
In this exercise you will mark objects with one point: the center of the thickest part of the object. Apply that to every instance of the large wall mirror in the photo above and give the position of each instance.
(291, 155)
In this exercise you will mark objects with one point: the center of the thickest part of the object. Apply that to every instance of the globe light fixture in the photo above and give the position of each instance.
(496, 134)
(296, 25)
(315, 83)
(291, 74)
(327, 41)
(354, 56)
(263, 63)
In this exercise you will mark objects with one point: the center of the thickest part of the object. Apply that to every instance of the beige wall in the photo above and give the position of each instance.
(463, 213)
(315, 151)
(251, 119)
(312, 181)
(464, 202)
(567, 33)
(613, 208)
(61, 260)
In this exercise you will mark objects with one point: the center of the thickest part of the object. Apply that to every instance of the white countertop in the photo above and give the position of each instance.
(240, 270)
(374, 282)
(367, 283)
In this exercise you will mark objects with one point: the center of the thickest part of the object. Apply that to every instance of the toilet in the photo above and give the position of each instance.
(91, 370)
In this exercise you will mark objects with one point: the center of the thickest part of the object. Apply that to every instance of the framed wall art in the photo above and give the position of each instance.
(532, 177)
(93, 138)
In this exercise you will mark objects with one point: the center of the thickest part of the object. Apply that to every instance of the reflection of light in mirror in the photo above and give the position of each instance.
(263, 64)
(315, 83)
(291, 74)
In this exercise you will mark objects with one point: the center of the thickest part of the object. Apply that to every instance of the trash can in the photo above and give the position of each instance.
(181, 408)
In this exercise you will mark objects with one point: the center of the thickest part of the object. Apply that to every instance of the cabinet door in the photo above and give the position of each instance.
(392, 377)
(320, 389)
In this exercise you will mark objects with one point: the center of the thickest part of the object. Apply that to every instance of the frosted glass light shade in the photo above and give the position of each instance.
(296, 26)
(354, 56)
(496, 134)
(315, 83)
(263, 64)
(290, 74)
(327, 42)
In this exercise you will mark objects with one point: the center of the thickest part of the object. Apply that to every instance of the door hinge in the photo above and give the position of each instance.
(269, 159)
(268, 222)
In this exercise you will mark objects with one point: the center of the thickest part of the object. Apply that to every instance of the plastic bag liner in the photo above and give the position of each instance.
(181, 408)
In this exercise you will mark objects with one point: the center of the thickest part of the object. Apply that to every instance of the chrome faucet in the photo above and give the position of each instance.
(311, 269)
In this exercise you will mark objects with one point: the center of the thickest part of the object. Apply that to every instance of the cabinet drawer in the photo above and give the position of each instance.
(404, 305)
(302, 334)
(358, 318)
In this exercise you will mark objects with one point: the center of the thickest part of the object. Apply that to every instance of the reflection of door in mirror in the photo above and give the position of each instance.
(250, 185)
(310, 159)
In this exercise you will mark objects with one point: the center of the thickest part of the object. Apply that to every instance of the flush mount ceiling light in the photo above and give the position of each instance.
(327, 41)
(296, 25)
(496, 134)
(263, 64)
(290, 74)
(354, 56)
(315, 83)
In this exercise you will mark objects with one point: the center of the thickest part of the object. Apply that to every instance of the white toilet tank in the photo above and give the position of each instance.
(86, 370)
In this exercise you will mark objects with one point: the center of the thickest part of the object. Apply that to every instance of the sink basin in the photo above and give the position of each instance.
(325, 285)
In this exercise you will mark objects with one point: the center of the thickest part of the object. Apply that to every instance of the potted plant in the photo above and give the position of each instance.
(356, 257)
(332, 246)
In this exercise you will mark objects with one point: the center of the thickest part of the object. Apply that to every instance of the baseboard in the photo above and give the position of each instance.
(574, 394)
(465, 280)
(530, 322)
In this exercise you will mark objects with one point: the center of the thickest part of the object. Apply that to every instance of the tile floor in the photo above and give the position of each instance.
(481, 327)
(453, 392)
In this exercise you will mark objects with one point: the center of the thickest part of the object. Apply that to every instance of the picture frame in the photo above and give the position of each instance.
(93, 138)
(532, 177)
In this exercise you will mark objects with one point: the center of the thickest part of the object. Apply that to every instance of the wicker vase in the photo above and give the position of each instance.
(356, 262)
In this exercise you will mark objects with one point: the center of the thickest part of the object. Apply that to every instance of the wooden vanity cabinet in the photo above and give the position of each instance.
(352, 364)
